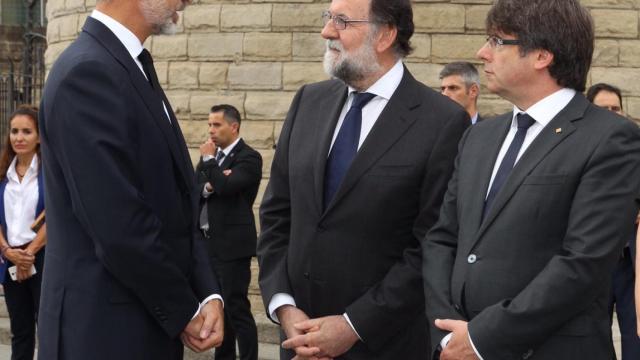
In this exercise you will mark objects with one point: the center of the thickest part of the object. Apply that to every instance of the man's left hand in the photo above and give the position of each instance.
(331, 334)
(211, 333)
(459, 347)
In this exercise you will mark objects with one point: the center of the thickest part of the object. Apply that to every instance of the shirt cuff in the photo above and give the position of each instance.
(207, 157)
(445, 340)
(205, 192)
(352, 327)
(474, 347)
(206, 300)
(278, 300)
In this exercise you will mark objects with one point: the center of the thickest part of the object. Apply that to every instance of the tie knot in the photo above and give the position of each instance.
(361, 99)
(145, 57)
(219, 155)
(525, 121)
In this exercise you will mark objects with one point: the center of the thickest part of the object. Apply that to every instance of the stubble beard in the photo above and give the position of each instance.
(160, 16)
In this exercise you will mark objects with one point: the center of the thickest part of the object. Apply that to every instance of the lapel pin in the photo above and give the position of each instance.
(558, 130)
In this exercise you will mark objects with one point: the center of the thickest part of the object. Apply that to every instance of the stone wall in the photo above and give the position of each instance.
(255, 54)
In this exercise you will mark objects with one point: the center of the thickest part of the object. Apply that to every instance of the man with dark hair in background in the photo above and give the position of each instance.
(519, 264)
(460, 81)
(623, 283)
(228, 176)
(357, 180)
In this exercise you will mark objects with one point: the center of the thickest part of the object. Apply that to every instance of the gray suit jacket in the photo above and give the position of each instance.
(533, 278)
(362, 253)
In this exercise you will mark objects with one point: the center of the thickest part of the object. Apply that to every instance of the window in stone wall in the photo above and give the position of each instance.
(14, 12)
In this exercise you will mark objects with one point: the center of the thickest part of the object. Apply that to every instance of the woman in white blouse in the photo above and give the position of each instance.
(21, 201)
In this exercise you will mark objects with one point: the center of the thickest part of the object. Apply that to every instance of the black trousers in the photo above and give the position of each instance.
(22, 301)
(622, 295)
(234, 277)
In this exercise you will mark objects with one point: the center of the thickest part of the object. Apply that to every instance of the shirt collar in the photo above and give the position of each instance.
(474, 118)
(546, 109)
(126, 37)
(387, 84)
(13, 175)
(228, 149)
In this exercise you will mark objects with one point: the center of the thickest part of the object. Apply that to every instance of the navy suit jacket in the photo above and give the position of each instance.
(125, 267)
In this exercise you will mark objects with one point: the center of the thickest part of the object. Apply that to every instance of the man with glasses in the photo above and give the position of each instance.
(357, 180)
(519, 264)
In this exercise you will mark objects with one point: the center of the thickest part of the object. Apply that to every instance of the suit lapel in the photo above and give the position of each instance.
(173, 137)
(544, 143)
(394, 121)
(483, 167)
(326, 122)
(229, 159)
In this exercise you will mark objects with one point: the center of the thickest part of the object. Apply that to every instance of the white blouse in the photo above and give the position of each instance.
(20, 202)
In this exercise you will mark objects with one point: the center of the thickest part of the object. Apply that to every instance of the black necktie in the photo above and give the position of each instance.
(345, 147)
(524, 122)
(147, 65)
(219, 157)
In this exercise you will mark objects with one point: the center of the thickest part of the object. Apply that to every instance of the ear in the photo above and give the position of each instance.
(474, 91)
(235, 126)
(386, 38)
(543, 59)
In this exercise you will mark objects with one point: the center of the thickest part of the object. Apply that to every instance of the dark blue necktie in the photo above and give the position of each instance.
(524, 122)
(345, 147)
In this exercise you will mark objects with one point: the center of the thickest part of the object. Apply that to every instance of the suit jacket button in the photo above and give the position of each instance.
(472, 259)
(306, 275)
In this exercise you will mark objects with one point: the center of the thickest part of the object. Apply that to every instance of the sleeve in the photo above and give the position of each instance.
(94, 142)
(275, 217)
(603, 206)
(246, 172)
(398, 298)
(439, 248)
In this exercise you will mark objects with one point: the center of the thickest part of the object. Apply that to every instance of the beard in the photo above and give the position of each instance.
(353, 67)
(160, 16)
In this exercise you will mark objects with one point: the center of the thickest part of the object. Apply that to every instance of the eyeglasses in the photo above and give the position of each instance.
(496, 41)
(339, 22)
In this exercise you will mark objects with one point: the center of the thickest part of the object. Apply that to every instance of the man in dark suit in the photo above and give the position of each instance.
(357, 179)
(126, 274)
(228, 181)
(623, 281)
(519, 264)
(460, 81)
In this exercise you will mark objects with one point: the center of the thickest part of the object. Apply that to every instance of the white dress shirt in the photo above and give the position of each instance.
(542, 112)
(134, 47)
(128, 39)
(20, 202)
(383, 89)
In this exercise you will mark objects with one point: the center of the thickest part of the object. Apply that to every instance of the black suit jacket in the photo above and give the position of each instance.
(229, 207)
(361, 254)
(533, 278)
(124, 268)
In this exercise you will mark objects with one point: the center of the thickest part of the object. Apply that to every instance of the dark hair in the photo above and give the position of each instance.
(594, 90)
(562, 27)
(466, 70)
(8, 153)
(229, 112)
(396, 13)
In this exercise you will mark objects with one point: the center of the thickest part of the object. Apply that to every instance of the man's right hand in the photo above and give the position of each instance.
(20, 258)
(208, 148)
(289, 315)
(206, 330)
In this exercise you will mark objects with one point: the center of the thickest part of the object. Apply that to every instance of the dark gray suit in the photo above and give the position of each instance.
(361, 255)
(533, 278)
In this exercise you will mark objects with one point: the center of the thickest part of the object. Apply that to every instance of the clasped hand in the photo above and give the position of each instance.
(23, 260)
(316, 339)
(206, 330)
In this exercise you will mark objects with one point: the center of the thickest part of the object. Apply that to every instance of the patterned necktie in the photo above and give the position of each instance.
(345, 147)
(524, 122)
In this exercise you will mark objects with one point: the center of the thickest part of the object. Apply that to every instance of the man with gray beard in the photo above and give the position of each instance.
(126, 273)
(358, 176)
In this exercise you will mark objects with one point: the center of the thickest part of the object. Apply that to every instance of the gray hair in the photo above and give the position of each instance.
(466, 70)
